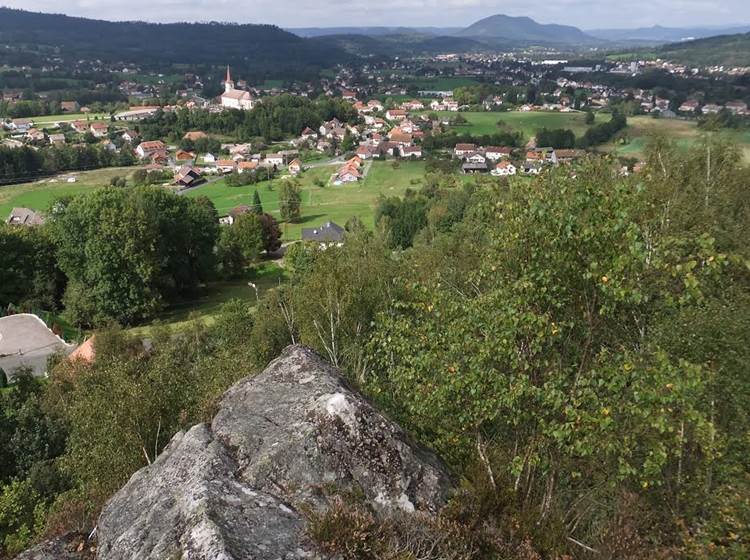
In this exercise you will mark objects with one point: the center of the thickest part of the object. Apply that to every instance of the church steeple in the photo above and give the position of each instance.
(228, 83)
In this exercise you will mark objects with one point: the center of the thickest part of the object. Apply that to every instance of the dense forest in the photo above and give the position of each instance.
(575, 348)
(260, 50)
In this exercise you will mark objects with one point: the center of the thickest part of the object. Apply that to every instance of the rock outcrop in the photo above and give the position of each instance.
(281, 442)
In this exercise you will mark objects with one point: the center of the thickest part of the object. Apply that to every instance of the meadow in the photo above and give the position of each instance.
(335, 203)
(632, 142)
(480, 123)
(69, 117)
(39, 195)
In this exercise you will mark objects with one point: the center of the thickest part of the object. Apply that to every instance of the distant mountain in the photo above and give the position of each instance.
(524, 30)
(263, 50)
(659, 34)
(372, 31)
(724, 50)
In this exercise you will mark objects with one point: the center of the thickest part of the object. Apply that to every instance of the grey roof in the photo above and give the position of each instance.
(327, 233)
(24, 217)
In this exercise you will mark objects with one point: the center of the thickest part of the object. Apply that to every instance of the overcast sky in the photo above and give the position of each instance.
(453, 13)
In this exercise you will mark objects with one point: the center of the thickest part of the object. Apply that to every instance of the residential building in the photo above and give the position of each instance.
(24, 217)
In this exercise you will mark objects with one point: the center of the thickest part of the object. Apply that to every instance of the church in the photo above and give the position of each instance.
(235, 98)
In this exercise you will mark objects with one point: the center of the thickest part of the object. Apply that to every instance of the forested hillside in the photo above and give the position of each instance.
(263, 49)
(724, 50)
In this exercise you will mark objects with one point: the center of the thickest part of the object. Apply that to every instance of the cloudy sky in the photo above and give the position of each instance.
(327, 13)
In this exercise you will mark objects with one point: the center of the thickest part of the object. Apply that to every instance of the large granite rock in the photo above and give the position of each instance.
(282, 441)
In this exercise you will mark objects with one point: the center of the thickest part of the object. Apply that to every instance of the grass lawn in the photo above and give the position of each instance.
(206, 306)
(321, 204)
(40, 194)
(69, 117)
(481, 123)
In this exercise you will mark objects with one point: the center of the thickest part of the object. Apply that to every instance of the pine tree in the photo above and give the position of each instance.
(257, 207)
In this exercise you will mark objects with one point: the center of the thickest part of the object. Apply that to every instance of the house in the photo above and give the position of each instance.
(365, 152)
(22, 125)
(503, 169)
(150, 148)
(226, 165)
(348, 95)
(187, 176)
(411, 152)
(542, 155)
(195, 135)
(476, 157)
(35, 135)
(235, 98)
(183, 156)
(274, 160)
(329, 233)
(414, 105)
(81, 127)
(246, 166)
(209, 158)
(99, 130)
(711, 108)
(375, 105)
(473, 168)
(463, 149)
(69, 106)
(56, 138)
(24, 217)
(400, 137)
(395, 114)
(308, 134)
(497, 152)
(736, 107)
(689, 106)
(129, 136)
(295, 167)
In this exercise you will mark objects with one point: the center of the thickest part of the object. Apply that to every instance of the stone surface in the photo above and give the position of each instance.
(284, 440)
(72, 546)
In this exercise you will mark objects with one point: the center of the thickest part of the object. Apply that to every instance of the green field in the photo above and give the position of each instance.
(69, 117)
(481, 123)
(39, 195)
(321, 204)
(632, 142)
(441, 84)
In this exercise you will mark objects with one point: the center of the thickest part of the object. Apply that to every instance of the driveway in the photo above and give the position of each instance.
(25, 341)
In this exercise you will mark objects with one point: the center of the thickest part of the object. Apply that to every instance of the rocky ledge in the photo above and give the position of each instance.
(281, 444)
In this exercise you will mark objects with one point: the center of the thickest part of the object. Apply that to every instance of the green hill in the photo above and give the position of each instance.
(726, 50)
(263, 49)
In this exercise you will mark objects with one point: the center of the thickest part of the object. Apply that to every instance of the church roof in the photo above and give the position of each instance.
(237, 94)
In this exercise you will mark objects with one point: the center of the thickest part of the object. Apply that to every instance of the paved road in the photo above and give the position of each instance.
(25, 341)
